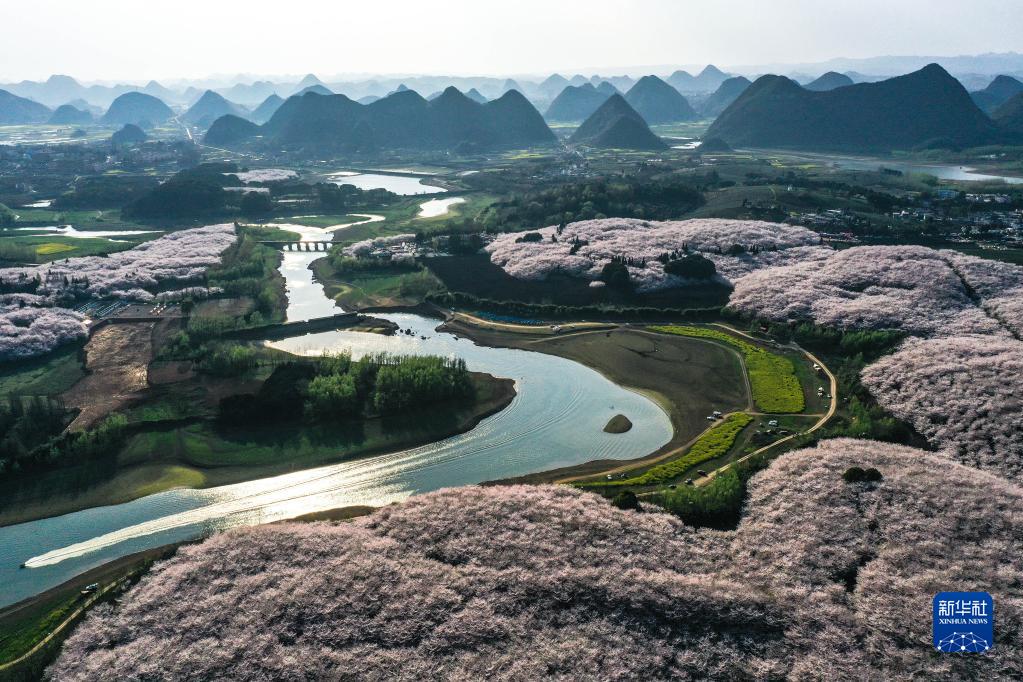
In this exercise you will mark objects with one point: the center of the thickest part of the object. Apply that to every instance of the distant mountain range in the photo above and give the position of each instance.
(727, 93)
(829, 81)
(16, 110)
(616, 125)
(402, 120)
(563, 98)
(473, 94)
(66, 114)
(577, 102)
(137, 108)
(922, 108)
(318, 89)
(975, 72)
(128, 135)
(1009, 115)
(708, 80)
(266, 109)
(657, 102)
(230, 130)
(988, 65)
(998, 92)
(209, 108)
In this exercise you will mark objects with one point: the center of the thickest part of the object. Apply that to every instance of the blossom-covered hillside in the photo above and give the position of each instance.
(957, 378)
(32, 321)
(912, 288)
(178, 257)
(530, 583)
(583, 248)
(28, 327)
(964, 393)
(265, 175)
(999, 287)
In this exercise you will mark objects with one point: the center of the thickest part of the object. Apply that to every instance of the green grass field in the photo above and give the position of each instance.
(48, 375)
(272, 234)
(375, 287)
(772, 377)
(19, 635)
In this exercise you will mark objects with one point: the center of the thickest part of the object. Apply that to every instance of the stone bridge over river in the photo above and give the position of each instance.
(300, 246)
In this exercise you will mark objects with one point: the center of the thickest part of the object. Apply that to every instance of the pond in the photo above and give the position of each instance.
(435, 208)
(405, 185)
(940, 171)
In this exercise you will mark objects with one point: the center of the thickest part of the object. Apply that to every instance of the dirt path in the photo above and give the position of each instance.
(818, 424)
(117, 359)
(536, 330)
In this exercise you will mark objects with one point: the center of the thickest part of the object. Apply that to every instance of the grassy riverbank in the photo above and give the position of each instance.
(173, 451)
(373, 287)
(689, 378)
(690, 375)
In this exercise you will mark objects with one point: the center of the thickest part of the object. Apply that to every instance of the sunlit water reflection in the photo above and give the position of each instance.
(556, 419)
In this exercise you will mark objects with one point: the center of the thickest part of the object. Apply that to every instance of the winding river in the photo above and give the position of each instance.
(556, 419)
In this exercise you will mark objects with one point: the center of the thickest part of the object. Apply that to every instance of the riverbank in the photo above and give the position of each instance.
(198, 454)
(32, 630)
(681, 378)
(384, 288)
(688, 378)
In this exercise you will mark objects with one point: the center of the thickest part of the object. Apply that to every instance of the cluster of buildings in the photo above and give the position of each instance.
(830, 219)
(989, 198)
(23, 167)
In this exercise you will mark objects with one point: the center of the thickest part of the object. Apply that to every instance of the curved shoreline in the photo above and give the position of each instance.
(536, 338)
(503, 394)
(495, 334)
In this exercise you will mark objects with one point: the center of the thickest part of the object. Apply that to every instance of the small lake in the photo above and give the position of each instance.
(69, 231)
(555, 420)
(685, 143)
(435, 208)
(940, 171)
(405, 185)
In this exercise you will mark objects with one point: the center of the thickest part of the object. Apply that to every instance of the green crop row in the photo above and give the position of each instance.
(772, 377)
(714, 443)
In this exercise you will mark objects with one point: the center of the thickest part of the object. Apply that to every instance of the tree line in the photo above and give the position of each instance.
(338, 388)
(32, 436)
(662, 198)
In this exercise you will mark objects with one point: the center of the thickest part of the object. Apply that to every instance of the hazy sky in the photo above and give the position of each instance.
(141, 39)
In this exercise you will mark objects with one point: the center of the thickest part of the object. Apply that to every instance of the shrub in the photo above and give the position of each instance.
(860, 475)
(626, 500)
(529, 237)
(229, 361)
(332, 396)
(691, 266)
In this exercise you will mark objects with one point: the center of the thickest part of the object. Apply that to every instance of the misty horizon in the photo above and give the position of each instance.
(901, 64)
(107, 42)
